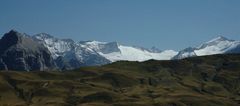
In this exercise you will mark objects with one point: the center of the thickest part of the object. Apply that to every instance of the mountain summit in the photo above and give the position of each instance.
(219, 45)
(20, 52)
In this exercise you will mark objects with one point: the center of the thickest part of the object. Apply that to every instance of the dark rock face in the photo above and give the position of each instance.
(19, 52)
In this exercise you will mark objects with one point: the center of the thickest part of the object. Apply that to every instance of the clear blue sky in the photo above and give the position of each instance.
(166, 24)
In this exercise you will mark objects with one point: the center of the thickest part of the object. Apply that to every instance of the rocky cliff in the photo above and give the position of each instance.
(19, 52)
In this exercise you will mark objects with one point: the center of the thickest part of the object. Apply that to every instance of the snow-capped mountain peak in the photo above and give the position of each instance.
(188, 52)
(215, 46)
(217, 39)
(56, 46)
(43, 36)
(218, 45)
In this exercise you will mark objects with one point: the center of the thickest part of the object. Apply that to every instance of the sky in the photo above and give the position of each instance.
(165, 24)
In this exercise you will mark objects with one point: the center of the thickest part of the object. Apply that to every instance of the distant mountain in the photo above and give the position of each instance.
(90, 53)
(20, 52)
(118, 52)
(69, 54)
(219, 45)
(188, 52)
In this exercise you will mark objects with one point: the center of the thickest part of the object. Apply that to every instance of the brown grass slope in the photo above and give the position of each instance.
(199, 81)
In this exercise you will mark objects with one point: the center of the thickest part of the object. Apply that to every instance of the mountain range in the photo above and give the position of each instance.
(20, 51)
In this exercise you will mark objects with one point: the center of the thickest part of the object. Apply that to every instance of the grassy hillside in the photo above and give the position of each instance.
(199, 81)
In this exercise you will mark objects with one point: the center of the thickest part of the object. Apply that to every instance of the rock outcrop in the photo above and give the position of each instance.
(19, 51)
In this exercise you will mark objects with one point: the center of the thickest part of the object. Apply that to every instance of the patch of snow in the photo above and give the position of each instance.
(135, 54)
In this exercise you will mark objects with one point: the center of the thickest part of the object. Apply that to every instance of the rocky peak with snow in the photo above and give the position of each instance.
(218, 45)
(69, 54)
(187, 52)
(56, 46)
(43, 36)
(215, 41)
(103, 47)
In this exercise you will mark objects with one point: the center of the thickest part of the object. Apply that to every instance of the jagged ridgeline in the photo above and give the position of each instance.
(22, 52)
(19, 51)
(197, 81)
